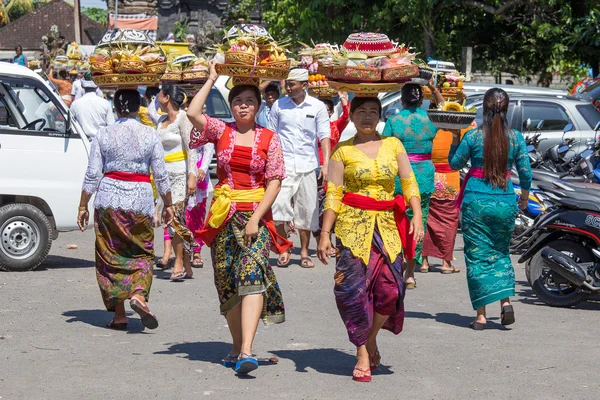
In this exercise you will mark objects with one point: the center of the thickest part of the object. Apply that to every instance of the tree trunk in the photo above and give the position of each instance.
(429, 43)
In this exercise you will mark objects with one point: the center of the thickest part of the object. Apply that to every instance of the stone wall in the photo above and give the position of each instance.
(486, 77)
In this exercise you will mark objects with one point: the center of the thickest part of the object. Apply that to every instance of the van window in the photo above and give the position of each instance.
(555, 117)
(34, 109)
(590, 114)
(216, 106)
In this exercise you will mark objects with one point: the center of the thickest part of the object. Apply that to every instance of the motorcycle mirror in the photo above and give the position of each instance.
(597, 128)
(540, 124)
(527, 123)
(568, 128)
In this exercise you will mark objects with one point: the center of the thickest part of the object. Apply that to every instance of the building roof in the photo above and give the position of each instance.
(29, 29)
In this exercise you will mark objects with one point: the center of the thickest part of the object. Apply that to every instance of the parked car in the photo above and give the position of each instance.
(556, 113)
(43, 158)
(392, 102)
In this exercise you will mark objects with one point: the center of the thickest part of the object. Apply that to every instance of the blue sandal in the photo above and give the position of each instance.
(246, 365)
(232, 361)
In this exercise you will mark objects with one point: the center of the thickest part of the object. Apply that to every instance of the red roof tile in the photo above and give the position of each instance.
(29, 29)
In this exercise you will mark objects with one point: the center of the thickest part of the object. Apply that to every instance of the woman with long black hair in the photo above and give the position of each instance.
(488, 204)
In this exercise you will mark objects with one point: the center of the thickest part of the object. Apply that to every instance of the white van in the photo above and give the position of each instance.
(43, 158)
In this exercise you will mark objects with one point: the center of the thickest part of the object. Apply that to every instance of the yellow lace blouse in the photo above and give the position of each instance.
(373, 178)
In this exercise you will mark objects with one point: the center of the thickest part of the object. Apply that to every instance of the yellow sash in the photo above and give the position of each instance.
(169, 158)
(224, 196)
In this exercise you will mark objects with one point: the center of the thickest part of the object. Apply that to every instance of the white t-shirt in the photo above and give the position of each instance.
(92, 113)
(77, 92)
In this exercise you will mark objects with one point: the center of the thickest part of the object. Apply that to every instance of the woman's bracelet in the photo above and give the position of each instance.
(83, 208)
(168, 206)
(322, 231)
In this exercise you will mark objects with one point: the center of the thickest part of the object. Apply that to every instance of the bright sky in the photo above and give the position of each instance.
(93, 3)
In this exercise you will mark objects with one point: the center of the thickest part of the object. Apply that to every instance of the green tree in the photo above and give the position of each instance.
(96, 14)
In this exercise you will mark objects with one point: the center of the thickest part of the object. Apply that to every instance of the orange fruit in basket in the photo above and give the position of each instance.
(459, 84)
(311, 78)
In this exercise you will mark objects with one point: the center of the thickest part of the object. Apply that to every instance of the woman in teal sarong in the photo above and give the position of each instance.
(488, 203)
(416, 132)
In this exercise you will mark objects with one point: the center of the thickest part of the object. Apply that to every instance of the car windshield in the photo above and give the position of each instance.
(590, 114)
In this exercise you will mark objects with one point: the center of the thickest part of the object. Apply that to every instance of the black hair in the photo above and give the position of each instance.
(272, 88)
(412, 95)
(18, 47)
(63, 74)
(358, 102)
(151, 92)
(127, 101)
(328, 102)
(237, 90)
(495, 136)
(175, 93)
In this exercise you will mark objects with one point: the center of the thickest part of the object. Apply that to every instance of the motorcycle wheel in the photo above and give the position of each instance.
(554, 290)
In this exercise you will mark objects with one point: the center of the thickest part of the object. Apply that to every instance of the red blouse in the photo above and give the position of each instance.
(242, 167)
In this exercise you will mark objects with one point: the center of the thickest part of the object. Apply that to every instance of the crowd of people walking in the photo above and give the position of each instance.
(391, 199)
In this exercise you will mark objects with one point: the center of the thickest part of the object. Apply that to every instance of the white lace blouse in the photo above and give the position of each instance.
(126, 146)
(175, 138)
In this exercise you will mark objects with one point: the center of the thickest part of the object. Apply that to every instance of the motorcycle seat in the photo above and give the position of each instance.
(578, 204)
(547, 176)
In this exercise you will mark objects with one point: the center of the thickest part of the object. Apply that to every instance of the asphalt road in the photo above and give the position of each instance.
(53, 344)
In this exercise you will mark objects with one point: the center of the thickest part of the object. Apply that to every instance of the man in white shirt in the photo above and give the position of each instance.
(91, 111)
(300, 121)
(77, 91)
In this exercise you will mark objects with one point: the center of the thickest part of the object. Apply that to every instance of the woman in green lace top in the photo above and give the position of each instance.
(416, 132)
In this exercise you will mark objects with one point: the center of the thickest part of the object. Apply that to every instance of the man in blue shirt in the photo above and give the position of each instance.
(20, 57)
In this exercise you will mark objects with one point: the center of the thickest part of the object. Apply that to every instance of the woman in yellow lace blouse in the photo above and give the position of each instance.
(372, 232)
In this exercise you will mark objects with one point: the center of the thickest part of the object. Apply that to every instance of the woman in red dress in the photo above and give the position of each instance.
(240, 229)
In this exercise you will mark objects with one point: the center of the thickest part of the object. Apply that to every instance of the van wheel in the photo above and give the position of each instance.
(24, 237)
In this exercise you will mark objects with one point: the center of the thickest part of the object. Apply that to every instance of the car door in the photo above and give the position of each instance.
(39, 158)
(555, 118)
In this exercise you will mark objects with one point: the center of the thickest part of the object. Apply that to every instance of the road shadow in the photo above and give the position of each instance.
(461, 321)
(210, 352)
(99, 319)
(59, 262)
(325, 361)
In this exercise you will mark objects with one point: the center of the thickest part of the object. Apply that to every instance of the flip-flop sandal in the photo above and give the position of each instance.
(168, 265)
(197, 263)
(121, 326)
(148, 319)
(304, 262)
(372, 358)
(285, 256)
(424, 270)
(246, 365)
(411, 285)
(231, 363)
(178, 278)
(477, 326)
(447, 271)
(507, 316)
(365, 378)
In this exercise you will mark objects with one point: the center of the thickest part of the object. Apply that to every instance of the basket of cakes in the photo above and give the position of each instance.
(187, 69)
(447, 79)
(370, 63)
(317, 60)
(250, 54)
(127, 57)
(452, 115)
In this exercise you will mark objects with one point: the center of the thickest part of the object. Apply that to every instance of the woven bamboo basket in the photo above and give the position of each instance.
(451, 119)
(322, 91)
(239, 57)
(195, 76)
(156, 68)
(101, 68)
(278, 64)
(367, 89)
(260, 72)
(451, 93)
(355, 74)
(131, 67)
(126, 80)
(400, 74)
(172, 76)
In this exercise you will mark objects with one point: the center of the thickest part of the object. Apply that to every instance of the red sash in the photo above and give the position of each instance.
(402, 221)
(128, 176)
(443, 168)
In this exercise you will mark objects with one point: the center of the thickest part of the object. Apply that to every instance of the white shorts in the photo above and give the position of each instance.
(297, 201)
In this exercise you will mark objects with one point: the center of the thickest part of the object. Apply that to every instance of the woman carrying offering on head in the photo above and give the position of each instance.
(240, 229)
(488, 204)
(373, 231)
(119, 173)
(416, 132)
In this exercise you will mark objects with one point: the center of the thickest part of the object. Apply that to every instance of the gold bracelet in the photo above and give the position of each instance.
(83, 208)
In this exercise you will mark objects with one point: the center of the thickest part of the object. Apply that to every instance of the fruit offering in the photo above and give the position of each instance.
(315, 58)
(373, 57)
(186, 69)
(452, 115)
(132, 53)
(251, 45)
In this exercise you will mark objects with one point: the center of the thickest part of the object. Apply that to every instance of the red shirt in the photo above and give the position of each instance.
(337, 127)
